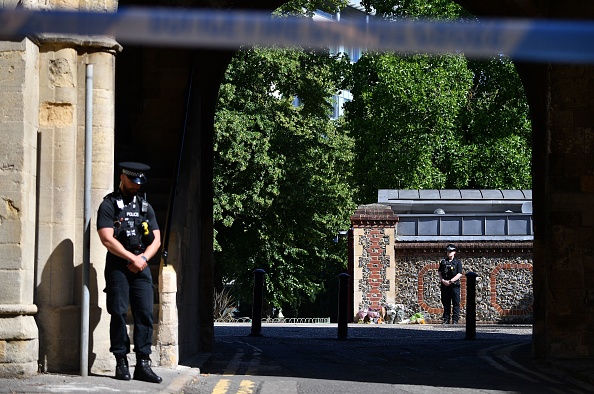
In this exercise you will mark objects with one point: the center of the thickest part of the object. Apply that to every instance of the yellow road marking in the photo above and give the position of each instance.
(246, 387)
(221, 387)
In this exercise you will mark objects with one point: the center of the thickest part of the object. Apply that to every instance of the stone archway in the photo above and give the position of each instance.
(561, 127)
(40, 175)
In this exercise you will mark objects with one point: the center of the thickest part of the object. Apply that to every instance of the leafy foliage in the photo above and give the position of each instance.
(495, 129)
(436, 121)
(286, 177)
(223, 305)
(281, 172)
(403, 117)
(307, 7)
(435, 9)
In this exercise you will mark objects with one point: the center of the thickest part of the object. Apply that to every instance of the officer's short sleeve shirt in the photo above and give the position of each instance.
(105, 214)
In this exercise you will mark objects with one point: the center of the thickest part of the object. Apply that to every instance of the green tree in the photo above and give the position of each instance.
(495, 129)
(436, 121)
(281, 172)
(435, 9)
(404, 120)
(308, 7)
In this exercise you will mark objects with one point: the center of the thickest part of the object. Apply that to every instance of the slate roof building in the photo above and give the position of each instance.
(397, 244)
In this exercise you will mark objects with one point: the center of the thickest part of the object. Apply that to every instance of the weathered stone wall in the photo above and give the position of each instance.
(42, 107)
(19, 96)
(564, 220)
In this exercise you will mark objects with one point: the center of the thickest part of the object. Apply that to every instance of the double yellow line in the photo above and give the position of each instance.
(245, 387)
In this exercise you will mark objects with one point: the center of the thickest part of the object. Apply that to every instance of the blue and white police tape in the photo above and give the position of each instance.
(521, 39)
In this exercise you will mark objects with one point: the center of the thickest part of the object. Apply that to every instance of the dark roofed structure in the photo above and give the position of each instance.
(461, 215)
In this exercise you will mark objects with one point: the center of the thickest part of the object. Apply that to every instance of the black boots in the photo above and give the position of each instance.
(122, 371)
(143, 370)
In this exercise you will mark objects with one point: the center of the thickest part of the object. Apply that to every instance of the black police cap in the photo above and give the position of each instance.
(451, 247)
(135, 171)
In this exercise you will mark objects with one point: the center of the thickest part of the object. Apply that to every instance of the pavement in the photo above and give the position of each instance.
(175, 379)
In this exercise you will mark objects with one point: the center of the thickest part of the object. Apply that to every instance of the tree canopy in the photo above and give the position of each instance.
(422, 121)
(433, 122)
(435, 9)
(281, 172)
(287, 177)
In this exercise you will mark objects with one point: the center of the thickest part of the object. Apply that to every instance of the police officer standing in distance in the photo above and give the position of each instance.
(450, 272)
(127, 227)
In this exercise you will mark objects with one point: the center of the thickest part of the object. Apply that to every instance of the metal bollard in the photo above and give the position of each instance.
(471, 306)
(257, 302)
(343, 305)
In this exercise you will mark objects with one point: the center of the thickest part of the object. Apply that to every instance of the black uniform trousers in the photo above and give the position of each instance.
(450, 298)
(124, 287)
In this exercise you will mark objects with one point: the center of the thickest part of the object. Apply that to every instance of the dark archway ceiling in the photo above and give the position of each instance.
(556, 9)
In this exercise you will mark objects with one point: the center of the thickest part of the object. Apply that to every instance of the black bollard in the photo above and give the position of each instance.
(343, 307)
(471, 306)
(257, 303)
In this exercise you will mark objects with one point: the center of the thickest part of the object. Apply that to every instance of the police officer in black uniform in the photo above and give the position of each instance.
(450, 272)
(128, 228)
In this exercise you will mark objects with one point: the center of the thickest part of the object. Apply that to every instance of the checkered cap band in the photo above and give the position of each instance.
(132, 173)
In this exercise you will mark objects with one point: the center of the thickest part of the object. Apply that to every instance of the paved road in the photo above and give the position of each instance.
(378, 359)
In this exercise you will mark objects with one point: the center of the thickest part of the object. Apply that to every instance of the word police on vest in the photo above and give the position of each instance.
(135, 171)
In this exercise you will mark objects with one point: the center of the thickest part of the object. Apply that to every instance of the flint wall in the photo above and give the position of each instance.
(385, 271)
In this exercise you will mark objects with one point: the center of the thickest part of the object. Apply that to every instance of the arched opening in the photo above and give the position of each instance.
(537, 82)
(163, 96)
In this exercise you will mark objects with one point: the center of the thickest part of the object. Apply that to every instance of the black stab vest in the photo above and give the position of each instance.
(131, 224)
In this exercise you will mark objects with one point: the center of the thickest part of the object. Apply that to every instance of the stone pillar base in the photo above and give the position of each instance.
(19, 344)
(168, 335)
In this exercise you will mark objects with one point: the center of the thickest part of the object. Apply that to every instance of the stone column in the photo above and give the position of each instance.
(61, 196)
(563, 210)
(57, 210)
(19, 98)
(373, 236)
(103, 59)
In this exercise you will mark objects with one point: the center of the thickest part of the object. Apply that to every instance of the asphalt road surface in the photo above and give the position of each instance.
(293, 359)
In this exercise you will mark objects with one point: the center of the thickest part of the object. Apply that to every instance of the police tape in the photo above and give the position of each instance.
(521, 39)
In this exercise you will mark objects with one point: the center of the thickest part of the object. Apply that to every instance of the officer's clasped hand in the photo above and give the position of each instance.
(137, 264)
